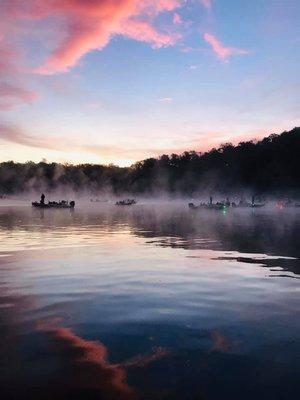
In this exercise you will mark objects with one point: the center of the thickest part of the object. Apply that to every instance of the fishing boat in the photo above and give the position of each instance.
(244, 204)
(208, 206)
(223, 205)
(98, 201)
(287, 204)
(126, 202)
(249, 205)
(54, 204)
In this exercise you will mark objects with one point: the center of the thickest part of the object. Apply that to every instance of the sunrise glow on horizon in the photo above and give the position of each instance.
(117, 81)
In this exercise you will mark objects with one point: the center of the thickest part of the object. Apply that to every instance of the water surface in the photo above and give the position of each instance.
(149, 302)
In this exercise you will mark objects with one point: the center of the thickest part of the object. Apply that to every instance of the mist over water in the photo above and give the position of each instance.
(153, 301)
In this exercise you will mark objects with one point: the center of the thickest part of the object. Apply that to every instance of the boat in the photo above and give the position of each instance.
(225, 205)
(208, 206)
(211, 205)
(287, 204)
(98, 201)
(54, 204)
(249, 205)
(126, 202)
(192, 206)
(244, 204)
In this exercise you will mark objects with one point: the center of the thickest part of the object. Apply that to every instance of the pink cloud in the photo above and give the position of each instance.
(96, 105)
(145, 32)
(10, 91)
(12, 88)
(177, 19)
(166, 100)
(86, 25)
(207, 4)
(222, 52)
(7, 57)
(15, 134)
(12, 95)
(204, 141)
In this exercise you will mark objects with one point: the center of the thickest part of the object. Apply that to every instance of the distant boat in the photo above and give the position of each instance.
(287, 204)
(208, 206)
(249, 205)
(244, 204)
(211, 205)
(98, 201)
(54, 204)
(224, 205)
(126, 202)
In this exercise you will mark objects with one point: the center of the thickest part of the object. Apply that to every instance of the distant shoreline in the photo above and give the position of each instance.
(267, 166)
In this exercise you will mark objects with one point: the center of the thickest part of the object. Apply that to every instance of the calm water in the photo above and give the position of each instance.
(151, 302)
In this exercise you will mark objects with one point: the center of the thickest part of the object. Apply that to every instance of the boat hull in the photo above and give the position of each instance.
(60, 206)
(208, 206)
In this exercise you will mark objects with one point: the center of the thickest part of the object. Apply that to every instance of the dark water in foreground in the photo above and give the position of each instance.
(149, 303)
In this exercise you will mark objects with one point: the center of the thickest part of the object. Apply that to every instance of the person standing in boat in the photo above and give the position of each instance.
(42, 199)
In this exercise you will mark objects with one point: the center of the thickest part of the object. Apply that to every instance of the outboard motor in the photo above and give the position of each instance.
(72, 204)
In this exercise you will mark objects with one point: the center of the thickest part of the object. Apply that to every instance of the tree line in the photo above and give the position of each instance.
(270, 165)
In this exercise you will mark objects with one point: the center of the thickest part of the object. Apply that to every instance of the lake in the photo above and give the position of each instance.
(153, 301)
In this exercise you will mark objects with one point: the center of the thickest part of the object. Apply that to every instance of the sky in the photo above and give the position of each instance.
(118, 81)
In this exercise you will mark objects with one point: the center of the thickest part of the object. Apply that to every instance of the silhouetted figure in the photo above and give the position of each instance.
(252, 201)
(42, 198)
(210, 200)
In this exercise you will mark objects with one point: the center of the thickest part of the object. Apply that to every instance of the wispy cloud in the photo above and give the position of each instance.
(166, 100)
(194, 66)
(14, 134)
(11, 95)
(223, 52)
(207, 4)
(12, 91)
(203, 141)
(95, 105)
(177, 19)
